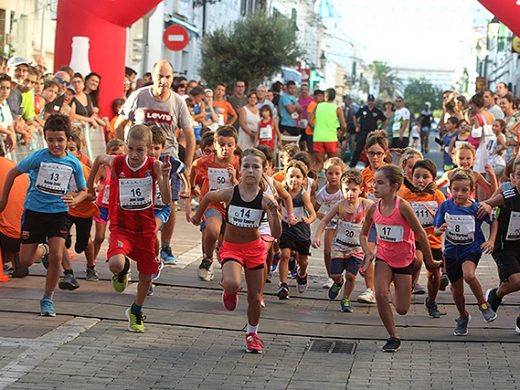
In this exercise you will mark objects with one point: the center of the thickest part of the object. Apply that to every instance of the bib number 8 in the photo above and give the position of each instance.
(457, 228)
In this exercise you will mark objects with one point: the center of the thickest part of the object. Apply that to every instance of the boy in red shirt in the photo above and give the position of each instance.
(132, 223)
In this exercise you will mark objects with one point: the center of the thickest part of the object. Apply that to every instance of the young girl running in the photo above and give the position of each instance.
(268, 129)
(407, 161)
(498, 147)
(296, 237)
(462, 138)
(326, 198)
(397, 229)
(425, 200)
(346, 252)
(451, 133)
(242, 246)
(377, 152)
(457, 217)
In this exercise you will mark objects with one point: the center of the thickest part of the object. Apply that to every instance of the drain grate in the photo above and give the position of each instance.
(329, 346)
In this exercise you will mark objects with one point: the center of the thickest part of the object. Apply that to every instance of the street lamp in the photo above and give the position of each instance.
(323, 60)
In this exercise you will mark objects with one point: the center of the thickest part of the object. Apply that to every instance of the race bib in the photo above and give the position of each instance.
(304, 123)
(459, 143)
(244, 216)
(347, 234)
(295, 115)
(266, 133)
(136, 194)
(158, 198)
(106, 195)
(513, 229)
(461, 229)
(390, 233)
(396, 126)
(218, 179)
(53, 178)
(425, 211)
(299, 213)
(221, 120)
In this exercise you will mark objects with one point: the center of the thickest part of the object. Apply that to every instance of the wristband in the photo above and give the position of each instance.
(291, 216)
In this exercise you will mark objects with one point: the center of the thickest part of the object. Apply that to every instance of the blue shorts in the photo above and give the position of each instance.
(103, 215)
(350, 264)
(163, 214)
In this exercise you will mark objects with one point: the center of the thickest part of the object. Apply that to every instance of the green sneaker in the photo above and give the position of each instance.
(135, 321)
(334, 290)
(120, 282)
(345, 305)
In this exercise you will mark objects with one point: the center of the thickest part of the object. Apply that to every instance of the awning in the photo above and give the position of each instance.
(190, 27)
(290, 74)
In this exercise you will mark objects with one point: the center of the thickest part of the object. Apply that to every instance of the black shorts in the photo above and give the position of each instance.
(436, 252)
(301, 247)
(508, 263)
(397, 143)
(9, 244)
(454, 266)
(38, 227)
(350, 264)
(83, 226)
(408, 270)
(293, 131)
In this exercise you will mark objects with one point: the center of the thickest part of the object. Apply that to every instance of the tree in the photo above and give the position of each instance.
(253, 49)
(420, 91)
(385, 78)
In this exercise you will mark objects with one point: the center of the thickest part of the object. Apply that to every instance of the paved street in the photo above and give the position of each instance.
(192, 342)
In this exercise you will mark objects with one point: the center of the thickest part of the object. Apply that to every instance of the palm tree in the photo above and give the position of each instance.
(385, 78)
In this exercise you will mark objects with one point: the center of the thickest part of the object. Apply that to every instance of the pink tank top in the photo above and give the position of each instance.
(104, 189)
(395, 238)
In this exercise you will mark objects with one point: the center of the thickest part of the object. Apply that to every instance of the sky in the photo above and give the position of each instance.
(419, 33)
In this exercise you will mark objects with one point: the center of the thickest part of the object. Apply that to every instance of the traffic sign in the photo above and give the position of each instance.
(176, 37)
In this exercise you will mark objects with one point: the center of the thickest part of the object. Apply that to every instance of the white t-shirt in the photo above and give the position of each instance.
(6, 119)
(400, 116)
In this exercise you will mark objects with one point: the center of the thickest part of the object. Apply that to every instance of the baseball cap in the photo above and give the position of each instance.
(69, 86)
(14, 61)
(371, 98)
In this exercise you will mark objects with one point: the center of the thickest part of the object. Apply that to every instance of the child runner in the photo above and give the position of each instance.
(114, 147)
(451, 133)
(296, 237)
(462, 138)
(326, 198)
(242, 246)
(48, 200)
(498, 147)
(425, 200)
(407, 161)
(132, 224)
(376, 151)
(345, 251)
(506, 251)
(286, 156)
(397, 230)
(268, 129)
(215, 172)
(81, 216)
(463, 246)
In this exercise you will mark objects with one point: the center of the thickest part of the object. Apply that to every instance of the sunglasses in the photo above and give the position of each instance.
(61, 81)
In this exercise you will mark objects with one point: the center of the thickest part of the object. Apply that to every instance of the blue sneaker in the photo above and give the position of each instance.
(276, 260)
(167, 256)
(161, 266)
(150, 290)
(47, 308)
(294, 273)
(345, 305)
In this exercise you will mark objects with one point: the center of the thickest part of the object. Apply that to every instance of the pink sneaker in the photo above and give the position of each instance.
(230, 300)
(253, 343)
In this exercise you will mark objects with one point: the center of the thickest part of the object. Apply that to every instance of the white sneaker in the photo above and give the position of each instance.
(328, 284)
(367, 296)
(205, 270)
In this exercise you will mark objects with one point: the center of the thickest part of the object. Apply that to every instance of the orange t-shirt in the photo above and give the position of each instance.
(310, 108)
(213, 175)
(279, 176)
(224, 110)
(368, 183)
(88, 208)
(11, 217)
(420, 204)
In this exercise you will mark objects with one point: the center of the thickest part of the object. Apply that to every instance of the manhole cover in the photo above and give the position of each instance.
(329, 346)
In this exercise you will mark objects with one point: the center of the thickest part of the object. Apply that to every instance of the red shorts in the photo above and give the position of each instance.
(140, 249)
(325, 147)
(250, 255)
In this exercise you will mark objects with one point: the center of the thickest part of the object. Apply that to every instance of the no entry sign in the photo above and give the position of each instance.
(176, 37)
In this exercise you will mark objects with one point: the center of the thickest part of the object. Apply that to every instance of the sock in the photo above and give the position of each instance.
(164, 244)
(251, 329)
(48, 295)
(68, 272)
(126, 267)
(136, 309)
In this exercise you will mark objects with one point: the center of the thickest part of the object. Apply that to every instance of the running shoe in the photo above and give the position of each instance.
(230, 300)
(345, 305)
(367, 296)
(487, 312)
(160, 268)
(120, 281)
(47, 308)
(269, 277)
(334, 290)
(492, 299)
(461, 327)
(92, 275)
(253, 343)
(328, 283)
(444, 281)
(167, 256)
(135, 321)
(276, 260)
(150, 291)
(283, 291)
(45, 257)
(19, 272)
(205, 270)
(392, 345)
(302, 283)
(517, 328)
(433, 310)
(418, 289)
(68, 282)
